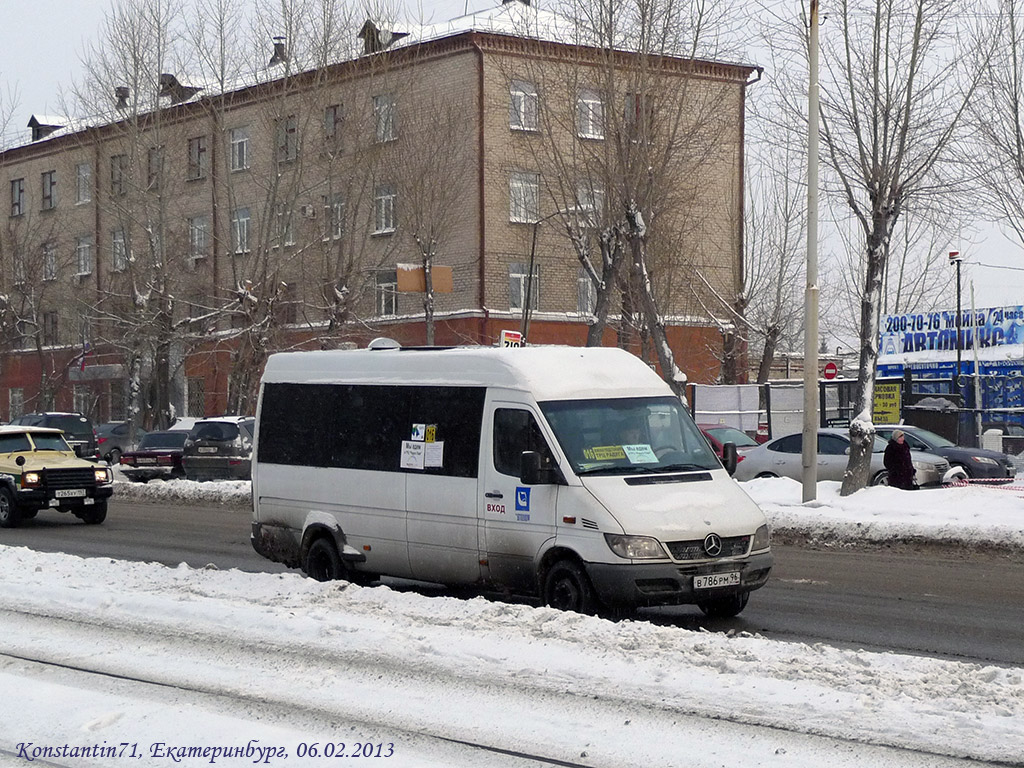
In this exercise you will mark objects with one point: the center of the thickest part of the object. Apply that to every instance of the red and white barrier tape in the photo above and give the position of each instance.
(985, 482)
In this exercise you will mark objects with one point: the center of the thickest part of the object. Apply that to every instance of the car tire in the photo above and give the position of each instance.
(114, 457)
(10, 515)
(322, 562)
(93, 515)
(765, 474)
(882, 478)
(567, 588)
(724, 607)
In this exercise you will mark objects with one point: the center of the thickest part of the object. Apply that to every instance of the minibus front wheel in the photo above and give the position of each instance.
(567, 588)
(724, 607)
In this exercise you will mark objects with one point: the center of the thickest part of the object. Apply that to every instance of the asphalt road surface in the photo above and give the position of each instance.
(966, 606)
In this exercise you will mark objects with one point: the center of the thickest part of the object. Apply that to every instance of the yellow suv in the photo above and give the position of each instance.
(39, 470)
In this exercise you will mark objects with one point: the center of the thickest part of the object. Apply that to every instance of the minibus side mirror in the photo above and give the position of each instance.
(729, 459)
(530, 472)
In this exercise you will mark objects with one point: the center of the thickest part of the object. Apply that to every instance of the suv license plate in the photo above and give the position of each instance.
(713, 580)
(69, 493)
(206, 449)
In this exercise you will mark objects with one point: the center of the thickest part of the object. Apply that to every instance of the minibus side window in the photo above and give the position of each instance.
(515, 431)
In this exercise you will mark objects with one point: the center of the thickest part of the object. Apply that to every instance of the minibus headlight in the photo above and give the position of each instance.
(762, 539)
(635, 547)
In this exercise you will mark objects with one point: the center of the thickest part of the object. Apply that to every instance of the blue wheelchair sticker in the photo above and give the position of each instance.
(522, 499)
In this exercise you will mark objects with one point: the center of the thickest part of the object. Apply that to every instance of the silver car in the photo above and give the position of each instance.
(782, 457)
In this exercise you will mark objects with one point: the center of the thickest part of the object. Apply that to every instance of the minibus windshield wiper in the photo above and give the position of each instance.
(684, 468)
(607, 471)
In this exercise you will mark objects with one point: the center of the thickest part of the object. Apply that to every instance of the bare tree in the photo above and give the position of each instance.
(896, 80)
(997, 115)
(633, 152)
(774, 254)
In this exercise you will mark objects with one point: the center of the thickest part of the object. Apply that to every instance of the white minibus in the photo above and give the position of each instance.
(572, 474)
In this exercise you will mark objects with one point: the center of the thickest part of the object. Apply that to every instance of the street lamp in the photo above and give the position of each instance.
(524, 325)
(954, 258)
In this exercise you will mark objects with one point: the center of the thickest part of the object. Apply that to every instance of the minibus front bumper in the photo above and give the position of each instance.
(638, 584)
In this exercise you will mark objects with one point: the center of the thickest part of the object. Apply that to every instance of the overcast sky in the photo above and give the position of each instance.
(44, 39)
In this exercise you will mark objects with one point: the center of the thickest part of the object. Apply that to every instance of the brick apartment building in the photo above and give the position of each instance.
(176, 240)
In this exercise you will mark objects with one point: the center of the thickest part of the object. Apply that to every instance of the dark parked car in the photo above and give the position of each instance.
(114, 439)
(78, 430)
(975, 462)
(219, 448)
(157, 457)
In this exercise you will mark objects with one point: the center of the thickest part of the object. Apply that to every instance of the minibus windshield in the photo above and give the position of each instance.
(628, 436)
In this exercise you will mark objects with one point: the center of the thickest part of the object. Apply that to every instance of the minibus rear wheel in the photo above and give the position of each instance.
(567, 588)
(322, 561)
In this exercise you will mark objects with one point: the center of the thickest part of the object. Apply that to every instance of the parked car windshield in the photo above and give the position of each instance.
(936, 441)
(628, 435)
(731, 435)
(50, 443)
(163, 440)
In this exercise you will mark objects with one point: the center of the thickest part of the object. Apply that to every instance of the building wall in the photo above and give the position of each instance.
(449, 164)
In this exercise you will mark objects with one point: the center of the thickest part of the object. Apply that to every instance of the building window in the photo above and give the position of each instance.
(50, 338)
(384, 209)
(118, 175)
(384, 118)
(589, 205)
(586, 293)
(83, 183)
(195, 396)
(83, 255)
(287, 139)
(334, 217)
(332, 126)
(19, 268)
(154, 168)
(118, 250)
(637, 116)
(199, 237)
(523, 106)
(49, 261)
(590, 114)
(49, 179)
(15, 402)
(240, 230)
(517, 279)
(197, 158)
(386, 292)
(524, 197)
(81, 397)
(283, 230)
(17, 197)
(239, 139)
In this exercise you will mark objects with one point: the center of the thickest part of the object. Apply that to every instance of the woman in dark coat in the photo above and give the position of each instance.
(899, 463)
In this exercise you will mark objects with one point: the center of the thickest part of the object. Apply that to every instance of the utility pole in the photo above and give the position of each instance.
(810, 432)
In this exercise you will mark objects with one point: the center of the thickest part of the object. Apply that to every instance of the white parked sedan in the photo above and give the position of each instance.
(782, 457)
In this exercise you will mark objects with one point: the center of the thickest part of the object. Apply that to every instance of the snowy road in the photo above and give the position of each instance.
(212, 659)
